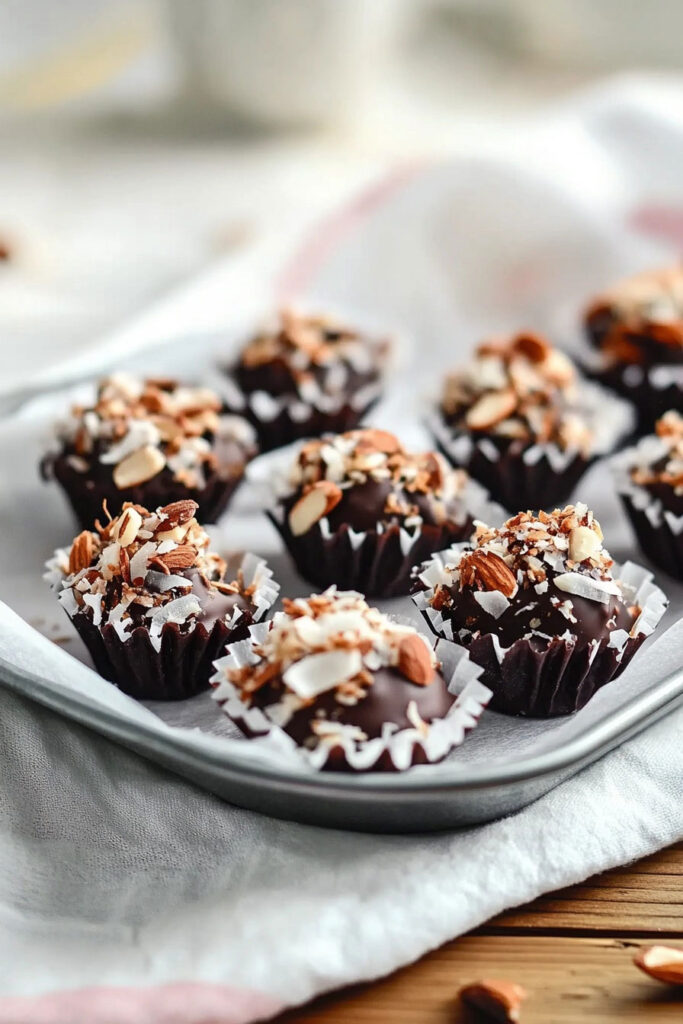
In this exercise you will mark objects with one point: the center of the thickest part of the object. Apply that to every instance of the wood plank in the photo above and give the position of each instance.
(636, 900)
(570, 981)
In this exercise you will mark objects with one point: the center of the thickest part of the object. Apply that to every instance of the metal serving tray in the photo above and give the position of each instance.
(496, 771)
(372, 803)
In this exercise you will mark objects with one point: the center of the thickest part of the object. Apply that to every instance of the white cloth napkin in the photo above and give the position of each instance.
(113, 873)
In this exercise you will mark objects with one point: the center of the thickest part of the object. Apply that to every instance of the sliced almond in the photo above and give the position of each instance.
(664, 963)
(139, 466)
(378, 441)
(313, 505)
(415, 661)
(498, 1000)
(127, 526)
(533, 346)
(491, 409)
(583, 543)
(559, 368)
(181, 557)
(81, 552)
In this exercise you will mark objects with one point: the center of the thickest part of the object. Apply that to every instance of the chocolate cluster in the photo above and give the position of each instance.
(353, 688)
(637, 328)
(523, 423)
(539, 606)
(148, 441)
(306, 375)
(360, 510)
(152, 602)
(649, 480)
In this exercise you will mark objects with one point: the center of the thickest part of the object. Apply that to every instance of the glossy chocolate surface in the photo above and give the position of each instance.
(594, 620)
(385, 701)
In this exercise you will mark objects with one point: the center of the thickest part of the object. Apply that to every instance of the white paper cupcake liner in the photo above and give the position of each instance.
(659, 531)
(255, 571)
(540, 475)
(396, 745)
(652, 390)
(279, 420)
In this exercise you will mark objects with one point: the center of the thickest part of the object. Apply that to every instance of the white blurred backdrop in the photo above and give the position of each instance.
(142, 141)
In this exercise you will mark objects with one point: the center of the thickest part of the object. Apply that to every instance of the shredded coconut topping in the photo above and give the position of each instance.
(142, 426)
(304, 344)
(136, 569)
(668, 469)
(332, 641)
(567, 542)
(518, 387)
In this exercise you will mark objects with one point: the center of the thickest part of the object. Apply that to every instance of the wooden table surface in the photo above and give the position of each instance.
(572, 951)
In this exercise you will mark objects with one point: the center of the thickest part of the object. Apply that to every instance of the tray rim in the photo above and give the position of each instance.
(600, 737)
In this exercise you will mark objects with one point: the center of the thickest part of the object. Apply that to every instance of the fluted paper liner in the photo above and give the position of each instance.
(378, 562)
(280, 420)
(562, 678)
(85, 494)
(394, 750)
(182, 665)
(653, 390)
(540, 475)
(659, 531)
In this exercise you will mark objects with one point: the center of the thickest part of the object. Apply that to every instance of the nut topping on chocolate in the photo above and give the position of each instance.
(668, 468)
(328, 468)
(640, 319)
(518, 387)
(521, 559)
(141, 427)
(143, 568)
(312, 354)
(332, 642)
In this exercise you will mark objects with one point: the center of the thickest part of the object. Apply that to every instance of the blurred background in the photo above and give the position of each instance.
(142, 140)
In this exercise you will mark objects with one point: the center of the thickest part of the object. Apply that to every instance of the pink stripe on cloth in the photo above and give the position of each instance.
(662, 222)
(182, 1003)
(320, 242)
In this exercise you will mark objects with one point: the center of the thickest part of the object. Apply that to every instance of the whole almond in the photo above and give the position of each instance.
(664, 963)
(583, 543)
(498, 1000)
(81, 552)
(126, 529)
(493, 573)
(491, 409)
(139, 466)
(414, 660)
(179, 512)
(181, 557)
(313, 505)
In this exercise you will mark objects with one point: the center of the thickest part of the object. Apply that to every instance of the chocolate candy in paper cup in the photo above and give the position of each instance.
(359, 511)
(153, 604)
(305, 375)
(347, 688)
(649, 481)
(636, 330)
(150, 442)
(522, 422)
(540, 605)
